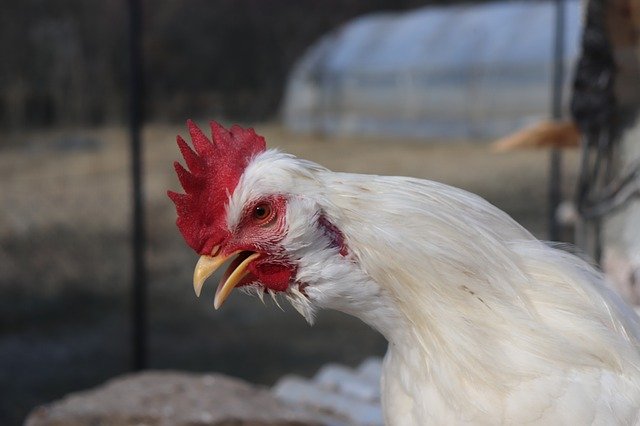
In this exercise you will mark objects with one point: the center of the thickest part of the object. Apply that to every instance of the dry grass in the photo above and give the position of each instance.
(64, 259)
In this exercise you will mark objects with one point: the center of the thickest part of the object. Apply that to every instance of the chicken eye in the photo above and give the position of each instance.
(262, 212)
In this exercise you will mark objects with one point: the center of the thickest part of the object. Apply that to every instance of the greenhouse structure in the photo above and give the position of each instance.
(470, 71)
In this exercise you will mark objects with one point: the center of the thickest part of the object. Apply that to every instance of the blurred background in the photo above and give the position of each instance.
(408, 87)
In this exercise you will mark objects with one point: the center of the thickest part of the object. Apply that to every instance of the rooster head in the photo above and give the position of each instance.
(252, 206)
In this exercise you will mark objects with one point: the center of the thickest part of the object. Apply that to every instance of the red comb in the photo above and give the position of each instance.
(214, 171)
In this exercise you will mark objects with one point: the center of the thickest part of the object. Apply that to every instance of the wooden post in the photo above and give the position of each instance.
(139, 276)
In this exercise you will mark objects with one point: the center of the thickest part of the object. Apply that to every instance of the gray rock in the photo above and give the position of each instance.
(171, 398)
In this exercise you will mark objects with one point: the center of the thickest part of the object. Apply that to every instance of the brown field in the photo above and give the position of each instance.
(65, 259)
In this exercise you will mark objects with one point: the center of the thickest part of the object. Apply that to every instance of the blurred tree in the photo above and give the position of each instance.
(64, 62)
(61, 63)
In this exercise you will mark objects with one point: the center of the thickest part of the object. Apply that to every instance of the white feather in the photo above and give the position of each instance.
(486, 324)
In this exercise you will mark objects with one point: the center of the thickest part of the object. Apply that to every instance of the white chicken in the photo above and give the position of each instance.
(485, 324)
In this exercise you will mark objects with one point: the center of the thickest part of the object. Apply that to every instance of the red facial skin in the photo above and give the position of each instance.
(263, 234)
(215, 167)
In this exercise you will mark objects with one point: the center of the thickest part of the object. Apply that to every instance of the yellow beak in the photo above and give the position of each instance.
(207, 265)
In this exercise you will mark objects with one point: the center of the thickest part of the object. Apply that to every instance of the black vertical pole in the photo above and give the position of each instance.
(556, 111)
(139, 287)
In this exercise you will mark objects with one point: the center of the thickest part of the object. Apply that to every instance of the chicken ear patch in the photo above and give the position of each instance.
(334, 234)
(214, 168)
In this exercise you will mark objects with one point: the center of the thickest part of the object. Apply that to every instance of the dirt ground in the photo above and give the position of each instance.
(65, 258)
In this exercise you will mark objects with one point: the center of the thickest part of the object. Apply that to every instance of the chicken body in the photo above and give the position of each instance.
(485, 324)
